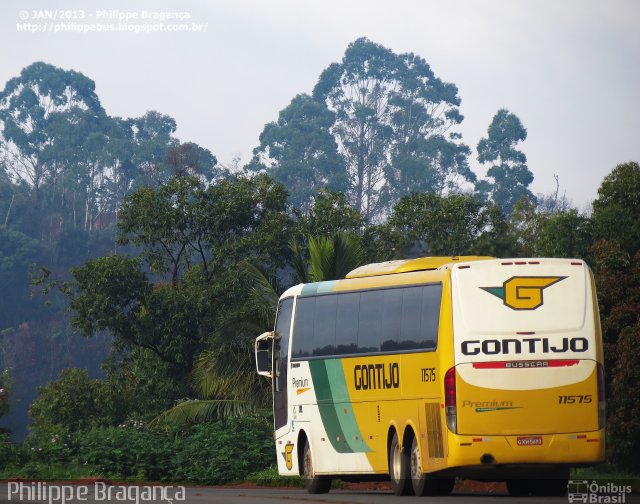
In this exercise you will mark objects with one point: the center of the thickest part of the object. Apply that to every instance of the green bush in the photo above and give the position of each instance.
(125, 452)
(210, 453)
(8, 450)
(224, 451)
(75, 401)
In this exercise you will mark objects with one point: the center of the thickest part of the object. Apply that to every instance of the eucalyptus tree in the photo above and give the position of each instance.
(300, 152)
(29, 107)
(393, 125)
(508, 170)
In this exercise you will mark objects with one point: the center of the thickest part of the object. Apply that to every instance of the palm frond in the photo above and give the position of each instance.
(198, 410)
(348, 253)
(332, 258)
(299, 262)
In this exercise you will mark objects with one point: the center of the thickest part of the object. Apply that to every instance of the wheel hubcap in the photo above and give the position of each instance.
(416, 470)
(396, 462)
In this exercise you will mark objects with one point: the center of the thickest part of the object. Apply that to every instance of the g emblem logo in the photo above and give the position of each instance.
(288, 457)
(523, 293)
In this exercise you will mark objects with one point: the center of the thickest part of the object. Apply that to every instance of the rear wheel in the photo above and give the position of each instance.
(519, 487)
(551, 484)
(399, 468)
(426, 484)
(314, 484)
(550, 487)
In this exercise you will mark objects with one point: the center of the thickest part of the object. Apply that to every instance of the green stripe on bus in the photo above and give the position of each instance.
(343, 408)
(326, 407)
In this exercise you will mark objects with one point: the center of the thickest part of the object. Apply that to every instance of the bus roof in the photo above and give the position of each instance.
(407, 265)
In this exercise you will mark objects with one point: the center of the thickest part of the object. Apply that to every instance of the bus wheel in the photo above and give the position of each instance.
(426, 484)
(399, 468)
(550, 488)
(519, 487)
(314, 484)
(553, 484)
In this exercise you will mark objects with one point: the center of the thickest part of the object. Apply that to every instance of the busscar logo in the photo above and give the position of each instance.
(523, 292)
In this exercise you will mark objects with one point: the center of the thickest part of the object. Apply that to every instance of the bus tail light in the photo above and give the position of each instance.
(450, 399)
(601, 397)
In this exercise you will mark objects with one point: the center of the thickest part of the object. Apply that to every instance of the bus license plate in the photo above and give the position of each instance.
(530, 441)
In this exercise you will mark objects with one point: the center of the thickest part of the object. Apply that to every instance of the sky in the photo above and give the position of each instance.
(570, 69)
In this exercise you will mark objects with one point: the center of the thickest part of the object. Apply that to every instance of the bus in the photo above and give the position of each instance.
(421, 371)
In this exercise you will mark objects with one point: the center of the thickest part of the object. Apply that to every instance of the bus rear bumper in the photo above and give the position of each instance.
(574, 449)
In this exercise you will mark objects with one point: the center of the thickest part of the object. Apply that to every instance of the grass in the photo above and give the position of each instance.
(48, 471)
(270, 477)
(604, 473)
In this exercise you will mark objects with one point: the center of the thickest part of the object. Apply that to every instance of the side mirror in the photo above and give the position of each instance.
(264, 345)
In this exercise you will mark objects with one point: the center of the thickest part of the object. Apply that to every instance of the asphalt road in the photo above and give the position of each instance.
(218, 495)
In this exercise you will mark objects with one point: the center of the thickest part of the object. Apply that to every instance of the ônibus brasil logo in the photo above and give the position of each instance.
(523, 292)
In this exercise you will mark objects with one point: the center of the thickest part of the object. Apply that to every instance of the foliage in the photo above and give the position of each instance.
(331, 258)
(195, 237)
(392, 120)
(618, 280)
(330, 214)
(226, 451)
(300, 152)
(497, 237)
(209, 453)
(74, 401)
(428, 224)
(617, 207)
(5, 385)
(565, 234)
(8, 450)
(511, 177)
(271, 477)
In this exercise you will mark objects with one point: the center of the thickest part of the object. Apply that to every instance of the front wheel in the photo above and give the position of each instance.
(399, 468)
(314, 484)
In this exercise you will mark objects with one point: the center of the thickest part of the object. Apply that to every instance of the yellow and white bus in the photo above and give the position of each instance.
(428, 369)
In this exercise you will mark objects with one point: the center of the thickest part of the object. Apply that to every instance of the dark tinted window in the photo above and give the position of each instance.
(384, 320)
(303, 327)
(281, 361)
(324, 327)
(347, 323)
(369, 320)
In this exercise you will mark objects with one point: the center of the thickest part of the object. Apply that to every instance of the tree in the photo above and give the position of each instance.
(74, 401)
(331, 258)
(173, 298)
(224, 378)
(392, 115)
(618, 280)
(565, 234)
(426, 155)
(330, 214)
(4, 392)
(617, 207)
(300, 152)
(428, 224)
(511, 177)
(28, 105)
(497, 237)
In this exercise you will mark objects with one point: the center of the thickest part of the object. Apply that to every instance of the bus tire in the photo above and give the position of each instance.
(426, 484)
(519, 487)
(399, 468)
(553, 484)
(314, 484)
